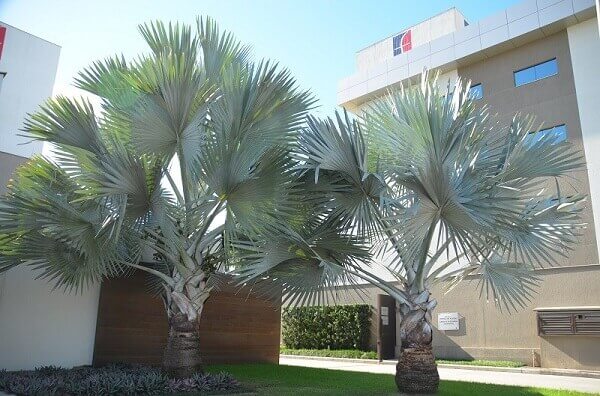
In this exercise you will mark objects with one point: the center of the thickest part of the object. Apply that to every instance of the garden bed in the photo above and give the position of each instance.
(112, 380)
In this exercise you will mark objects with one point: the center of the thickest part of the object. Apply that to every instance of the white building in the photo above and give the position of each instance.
(38, 326)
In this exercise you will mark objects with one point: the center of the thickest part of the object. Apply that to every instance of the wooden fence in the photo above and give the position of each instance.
(132, 326)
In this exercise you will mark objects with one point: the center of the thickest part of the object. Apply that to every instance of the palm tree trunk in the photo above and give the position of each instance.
(182, 357)
(184, 305)
(416, 371)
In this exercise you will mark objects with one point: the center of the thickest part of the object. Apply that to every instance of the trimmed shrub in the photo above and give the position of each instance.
(335, 327)
(117, 379)
(335, 353)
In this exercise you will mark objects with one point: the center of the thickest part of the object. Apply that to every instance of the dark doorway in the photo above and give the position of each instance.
(386, 327)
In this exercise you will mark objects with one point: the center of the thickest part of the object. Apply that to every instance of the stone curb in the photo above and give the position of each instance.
(523, 370)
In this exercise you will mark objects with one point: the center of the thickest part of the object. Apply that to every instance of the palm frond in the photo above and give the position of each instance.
(305, 266)
(42, 225)
(335, 152)
(220, 50)
(528, 158)
(66, 123)
(476, 187)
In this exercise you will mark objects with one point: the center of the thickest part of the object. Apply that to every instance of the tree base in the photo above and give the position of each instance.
(182, 356)
(416, 371)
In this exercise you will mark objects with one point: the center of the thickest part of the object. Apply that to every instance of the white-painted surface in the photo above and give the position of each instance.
(422, 34)
(445, 81)
(39, 326)
(30, 65)
(584, 44)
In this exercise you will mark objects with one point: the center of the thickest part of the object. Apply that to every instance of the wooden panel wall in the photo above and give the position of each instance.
(132, 326)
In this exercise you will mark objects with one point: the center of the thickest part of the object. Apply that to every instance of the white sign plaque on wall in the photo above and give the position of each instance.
(448, 321)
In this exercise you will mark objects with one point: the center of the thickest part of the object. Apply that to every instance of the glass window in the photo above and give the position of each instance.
(546, 69)
(555, 134)
(536, 72)
(524, 76)
(476, 91)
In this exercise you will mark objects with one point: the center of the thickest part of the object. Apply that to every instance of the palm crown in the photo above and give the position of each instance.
(442, 191)
(188, 154)
(439, 189)
(189, 149)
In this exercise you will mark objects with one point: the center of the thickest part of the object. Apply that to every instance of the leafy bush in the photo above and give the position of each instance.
(336, 353)
(336, 327)
(109, 380)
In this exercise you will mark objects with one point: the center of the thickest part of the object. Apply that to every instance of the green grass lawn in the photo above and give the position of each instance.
(270, 379)
(356, 354)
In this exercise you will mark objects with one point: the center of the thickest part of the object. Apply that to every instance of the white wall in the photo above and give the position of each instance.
(584, 44)
(30, 65)
(444, 80)
(422, 33)
(39, 326)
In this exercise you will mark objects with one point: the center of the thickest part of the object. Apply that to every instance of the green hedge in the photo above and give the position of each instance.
(489, 363)
(336, 327)
(335, 353)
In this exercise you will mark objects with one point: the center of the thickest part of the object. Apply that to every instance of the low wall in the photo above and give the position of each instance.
(488, 333)
(132, 326)
(40, 326)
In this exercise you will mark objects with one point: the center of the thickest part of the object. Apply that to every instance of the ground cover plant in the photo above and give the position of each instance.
(111, 380)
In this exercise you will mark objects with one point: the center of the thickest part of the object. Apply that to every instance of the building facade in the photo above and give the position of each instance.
(38, 325)
(541, 58)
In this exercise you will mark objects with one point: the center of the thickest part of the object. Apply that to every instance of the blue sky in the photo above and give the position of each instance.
(316, 40)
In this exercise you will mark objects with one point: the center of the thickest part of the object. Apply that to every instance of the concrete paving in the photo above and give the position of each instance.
(590, 385)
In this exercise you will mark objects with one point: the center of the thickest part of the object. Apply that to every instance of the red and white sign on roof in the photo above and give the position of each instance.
(402, 42)
(2, 37)
(410, 38)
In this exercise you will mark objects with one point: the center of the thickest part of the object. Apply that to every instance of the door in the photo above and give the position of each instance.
(386, 327)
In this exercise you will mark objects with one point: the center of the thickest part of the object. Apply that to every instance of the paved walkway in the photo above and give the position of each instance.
(590, 385)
